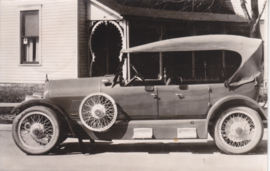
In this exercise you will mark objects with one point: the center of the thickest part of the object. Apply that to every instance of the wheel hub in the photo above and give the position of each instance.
(37, 130)
(238, 131)
(98, 111)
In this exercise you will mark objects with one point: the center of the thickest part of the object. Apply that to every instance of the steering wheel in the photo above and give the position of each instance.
(138, 75)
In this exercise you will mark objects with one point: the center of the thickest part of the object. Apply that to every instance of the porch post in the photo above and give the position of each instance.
(107, 51)
(128, 55)
(193, 33)
(224, 31)
(126, 67)
(161, 55)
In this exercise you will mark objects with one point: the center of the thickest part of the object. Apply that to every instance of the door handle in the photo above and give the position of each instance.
(181, 96)
(155, 96)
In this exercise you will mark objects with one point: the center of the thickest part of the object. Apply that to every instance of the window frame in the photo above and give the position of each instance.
(22, 8)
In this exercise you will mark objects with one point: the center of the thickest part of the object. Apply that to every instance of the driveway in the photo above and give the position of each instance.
(148, 155)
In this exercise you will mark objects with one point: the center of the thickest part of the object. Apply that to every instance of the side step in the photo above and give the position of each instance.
(148, 133)
(142, 133)
(186, 133)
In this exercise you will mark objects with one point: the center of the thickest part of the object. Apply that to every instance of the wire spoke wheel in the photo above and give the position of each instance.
(36, 130)
(98, 112)
(238, 130)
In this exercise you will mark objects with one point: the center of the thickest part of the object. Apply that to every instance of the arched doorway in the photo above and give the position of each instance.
(106, 42)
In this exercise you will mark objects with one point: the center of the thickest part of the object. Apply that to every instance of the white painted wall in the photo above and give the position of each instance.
(59, 36)
(98, 11)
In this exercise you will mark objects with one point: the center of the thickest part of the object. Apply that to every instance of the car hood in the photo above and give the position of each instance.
(72, 87)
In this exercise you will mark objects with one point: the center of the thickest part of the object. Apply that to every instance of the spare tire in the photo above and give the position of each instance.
(98, 112)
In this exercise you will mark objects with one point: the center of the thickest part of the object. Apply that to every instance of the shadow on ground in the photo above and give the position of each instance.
(208, 147)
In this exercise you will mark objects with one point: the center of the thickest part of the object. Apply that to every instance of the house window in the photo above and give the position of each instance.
(29, 32)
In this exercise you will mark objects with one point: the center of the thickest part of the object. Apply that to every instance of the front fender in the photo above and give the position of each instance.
(231, 101)
(35, 102)
(47, 103)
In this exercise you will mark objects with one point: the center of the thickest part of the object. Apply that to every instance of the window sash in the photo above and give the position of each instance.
(30, 23)
(29, 28)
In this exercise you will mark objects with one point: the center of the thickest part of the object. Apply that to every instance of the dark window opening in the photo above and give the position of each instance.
(232, 63)
(210, 66)
(177, 64)
(147, 64)
(170, 34)
(30, 37)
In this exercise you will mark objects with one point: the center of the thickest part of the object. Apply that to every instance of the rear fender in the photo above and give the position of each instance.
(233, 101)
(64, 118)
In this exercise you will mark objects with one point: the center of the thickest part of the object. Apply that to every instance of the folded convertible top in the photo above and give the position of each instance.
(250, 50)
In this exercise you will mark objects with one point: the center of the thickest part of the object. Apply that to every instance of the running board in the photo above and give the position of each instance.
(152, 129)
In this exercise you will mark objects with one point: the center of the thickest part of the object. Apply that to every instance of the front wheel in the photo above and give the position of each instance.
(36, 130)
(238, 130)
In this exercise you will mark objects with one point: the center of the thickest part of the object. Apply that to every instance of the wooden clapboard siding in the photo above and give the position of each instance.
(82, 39)
(59, 36)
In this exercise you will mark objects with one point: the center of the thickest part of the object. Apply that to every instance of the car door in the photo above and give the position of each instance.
(140, 101)
(166, 101)
(191, 100)
(135, 101)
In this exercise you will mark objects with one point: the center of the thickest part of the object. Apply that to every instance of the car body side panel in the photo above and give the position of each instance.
(162, 129)
(194, 101)
(219, 91)
(166, 101)
(65, 92)
(133, 101)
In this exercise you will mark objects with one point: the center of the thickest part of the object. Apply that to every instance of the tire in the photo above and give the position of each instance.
(238, 130)
(211, 131)
(98, 112)
(36, 130)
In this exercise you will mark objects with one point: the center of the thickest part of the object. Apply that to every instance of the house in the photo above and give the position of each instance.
(82, 38)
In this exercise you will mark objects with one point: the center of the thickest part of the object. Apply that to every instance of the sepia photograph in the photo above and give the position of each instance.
(128, 85)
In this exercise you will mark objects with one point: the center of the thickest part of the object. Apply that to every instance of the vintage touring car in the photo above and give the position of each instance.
(127, 105)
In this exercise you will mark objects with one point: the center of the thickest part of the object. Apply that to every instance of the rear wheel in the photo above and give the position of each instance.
(36, 130)
(238, 130)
